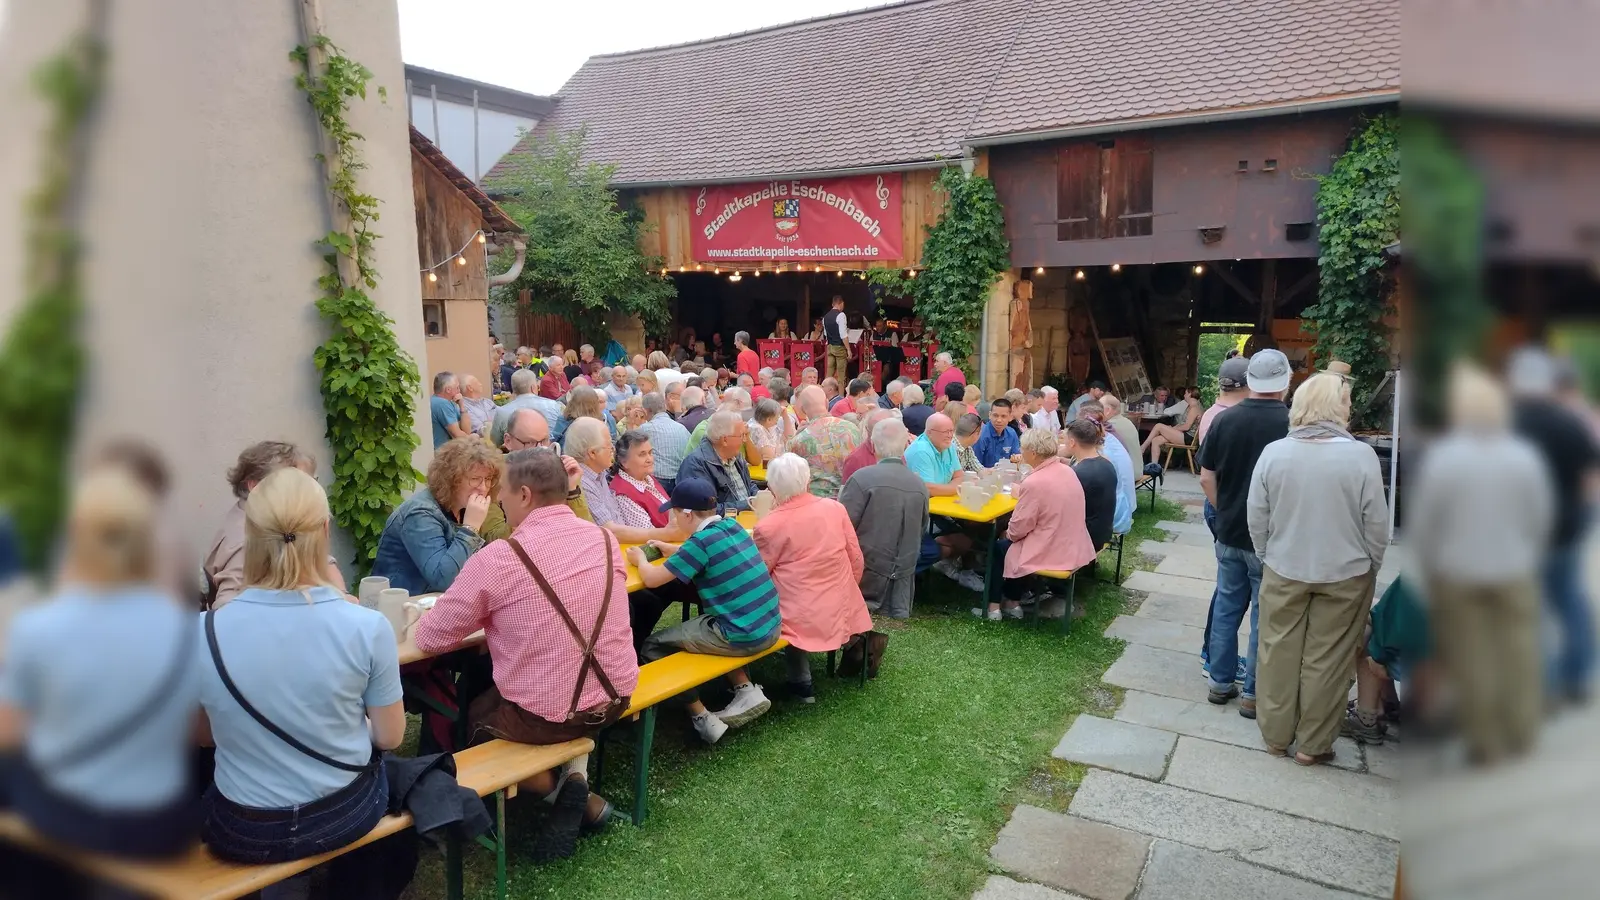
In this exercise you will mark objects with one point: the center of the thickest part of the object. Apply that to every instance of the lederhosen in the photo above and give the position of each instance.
(494, 716)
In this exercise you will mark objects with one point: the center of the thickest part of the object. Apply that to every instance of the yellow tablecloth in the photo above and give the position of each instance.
(951, 507)
(758, 473)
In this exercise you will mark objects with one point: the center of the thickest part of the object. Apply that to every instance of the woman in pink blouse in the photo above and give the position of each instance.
(810, 547)
(1047, 529)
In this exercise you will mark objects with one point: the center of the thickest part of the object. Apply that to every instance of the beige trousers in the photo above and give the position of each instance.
(1305, 657)
(839, 364)
(1488, 638)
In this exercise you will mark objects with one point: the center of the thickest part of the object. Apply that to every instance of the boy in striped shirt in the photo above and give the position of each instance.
(738, 600)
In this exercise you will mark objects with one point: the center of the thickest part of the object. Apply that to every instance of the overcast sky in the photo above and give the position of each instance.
(535, 45)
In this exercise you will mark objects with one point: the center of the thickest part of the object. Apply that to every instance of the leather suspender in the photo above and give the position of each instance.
(589, 661)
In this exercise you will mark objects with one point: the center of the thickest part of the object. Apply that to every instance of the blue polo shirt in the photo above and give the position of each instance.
(444, 415)
(931, 465)
(313, 667)
(992, 447)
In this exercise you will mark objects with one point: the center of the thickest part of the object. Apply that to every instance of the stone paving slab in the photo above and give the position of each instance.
(1169, 549)
(1187, 566)
(1151, 582)
(1120, 746)
(1326, 854)
(1383, 760)
(1222, 724)
(1153, 671)
(1188, 539)
(1348, 799)
(999, 887)
(1087, 858)
(1185, 528)
(1179, 872)
(1189, 611)
(1165, 635)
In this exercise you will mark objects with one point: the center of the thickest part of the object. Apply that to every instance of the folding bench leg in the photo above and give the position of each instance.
(831, 654)
(641, 775)
(1066, 615)
(453, 886)
(1121, 540)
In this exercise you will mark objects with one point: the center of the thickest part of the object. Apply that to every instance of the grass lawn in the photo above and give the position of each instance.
(892, 791)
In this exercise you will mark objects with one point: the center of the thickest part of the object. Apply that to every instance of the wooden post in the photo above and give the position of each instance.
(1269, 294)
(316, 63)
(803, 327)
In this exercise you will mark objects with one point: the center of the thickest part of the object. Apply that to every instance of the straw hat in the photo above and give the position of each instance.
(1337, 367)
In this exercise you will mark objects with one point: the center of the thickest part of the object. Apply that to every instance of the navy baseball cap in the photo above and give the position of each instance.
(693, 494)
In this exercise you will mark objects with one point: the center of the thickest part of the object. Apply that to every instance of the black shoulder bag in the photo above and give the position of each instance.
(286, 737)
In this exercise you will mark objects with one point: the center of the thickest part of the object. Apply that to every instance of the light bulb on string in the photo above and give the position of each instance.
(1079, 275)
(1116, 267)
(482, 238)
(433, 276)
(683, 268)
(819, 268)
(461, 260)
(911, 273)
(1199, 269)
(1039, 271)
(735, 277)
(697, 267)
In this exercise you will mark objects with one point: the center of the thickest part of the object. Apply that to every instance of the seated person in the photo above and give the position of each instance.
(535, 650)
(1047, 529)
(99, 690)
(720, 462)
(999, 442)
(224, 563)
(429, 536)
(1084, 439)
(810, 549)
(914, 411)
(1181, 434)
(825, 442)
(1398, 649)
(969, 430)
(1112, 449)
(766, 429)
(320, 668)
(527, 430)
(933, 458)
(739, 600)
(888, 505)
(858, 399)
(864, 455)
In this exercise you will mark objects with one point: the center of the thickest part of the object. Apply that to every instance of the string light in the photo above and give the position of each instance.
(683, 268)
(482, 238)
(1079, 275)
(717, 271)
(911, 273)
(1116, 267)
(433, 276)
(1199, 269)
(756, 274)
(457, 257)
(841, 273)
(697, 267)
(1039, 271)
(819, 268)
(663, 271)
(735, 277)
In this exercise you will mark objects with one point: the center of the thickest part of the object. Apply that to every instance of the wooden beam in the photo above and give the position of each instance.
(1232, 280)
(1269, 293)
(1305, 281)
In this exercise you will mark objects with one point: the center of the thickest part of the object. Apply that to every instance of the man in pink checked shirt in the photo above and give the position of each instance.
(552, 600)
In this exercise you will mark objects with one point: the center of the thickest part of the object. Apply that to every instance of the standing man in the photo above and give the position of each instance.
(450, 416)
(946, 373)
(523, 386)
(1231, 389)
(1227, 462)
(834, 329)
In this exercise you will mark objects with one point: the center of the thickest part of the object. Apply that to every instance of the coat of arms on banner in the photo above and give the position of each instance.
(786, 218)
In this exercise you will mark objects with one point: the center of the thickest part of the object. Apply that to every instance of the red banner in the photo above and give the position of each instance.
(798, 220)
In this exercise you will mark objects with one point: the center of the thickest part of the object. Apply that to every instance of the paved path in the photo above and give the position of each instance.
(1181, 799)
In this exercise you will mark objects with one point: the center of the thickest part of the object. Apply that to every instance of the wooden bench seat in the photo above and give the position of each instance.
(492, 768)
(659, 681)
(1146, 483)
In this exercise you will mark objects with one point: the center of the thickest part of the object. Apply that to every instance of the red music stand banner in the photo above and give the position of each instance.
(803, 355)
(774, 353)
(912, 366)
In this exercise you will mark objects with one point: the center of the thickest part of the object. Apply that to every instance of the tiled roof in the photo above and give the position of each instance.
(913, 81)
(495, 220)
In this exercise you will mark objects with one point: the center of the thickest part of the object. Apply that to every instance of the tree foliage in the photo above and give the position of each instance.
(42, 359)
(1358, 210)
(369, 385)
(583, 259)
(963, 255)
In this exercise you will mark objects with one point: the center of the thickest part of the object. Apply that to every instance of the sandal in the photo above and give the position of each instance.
(1277, 751)
(1301, 759)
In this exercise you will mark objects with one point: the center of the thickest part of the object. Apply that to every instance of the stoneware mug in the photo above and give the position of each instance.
(371, 587)
(397, 607)
(762, 503)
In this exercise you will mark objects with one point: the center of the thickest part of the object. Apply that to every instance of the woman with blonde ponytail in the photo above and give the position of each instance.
(98, 692)
(290, 649)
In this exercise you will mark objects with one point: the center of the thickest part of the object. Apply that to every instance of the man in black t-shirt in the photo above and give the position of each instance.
(1227, 461)
(1570, 453)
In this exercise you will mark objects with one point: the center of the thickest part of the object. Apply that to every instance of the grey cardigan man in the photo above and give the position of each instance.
(888, 504)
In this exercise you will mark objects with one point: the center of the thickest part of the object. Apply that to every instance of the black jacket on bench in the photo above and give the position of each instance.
(426, 787)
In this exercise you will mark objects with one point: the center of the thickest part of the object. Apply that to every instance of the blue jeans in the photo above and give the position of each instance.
(1238, 587)
(1209, 513)
(259, 836)
(1572, 664)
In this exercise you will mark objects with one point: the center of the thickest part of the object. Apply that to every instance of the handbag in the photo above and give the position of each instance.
(222, 671)
(867, 647)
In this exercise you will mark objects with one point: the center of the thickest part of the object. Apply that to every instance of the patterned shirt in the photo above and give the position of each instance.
(615, 395)
(736, 482)
(604, 507)
(630, 513)
(721, 560)
(764, 437)
(480, 412)
(969, 460)
(825, 444)
(536, 660)
(670, 441)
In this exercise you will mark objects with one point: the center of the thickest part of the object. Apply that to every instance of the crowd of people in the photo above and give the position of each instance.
(533, 513)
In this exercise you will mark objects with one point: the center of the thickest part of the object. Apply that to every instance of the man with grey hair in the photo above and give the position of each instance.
(734, 400)
(864, 455)
(892, 394)
(808, 376)
(524, 387)
(914, 409)
(1047, 416)
(695, 408)
(668, 439)
(672, 394)
(719, 459)
(945, 372)
(449, 414)
(888, 504)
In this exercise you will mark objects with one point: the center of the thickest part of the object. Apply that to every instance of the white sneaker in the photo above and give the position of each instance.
(992, 615)
(947, 568)
(1014, 613)
(709, 727)
(748, 704)
(970, 580)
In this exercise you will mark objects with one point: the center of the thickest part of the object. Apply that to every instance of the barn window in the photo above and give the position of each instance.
(433, 323)
(1103, 189)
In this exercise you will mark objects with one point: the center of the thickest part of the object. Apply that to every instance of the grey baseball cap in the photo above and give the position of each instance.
(1232, 374)
(1268, 372)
